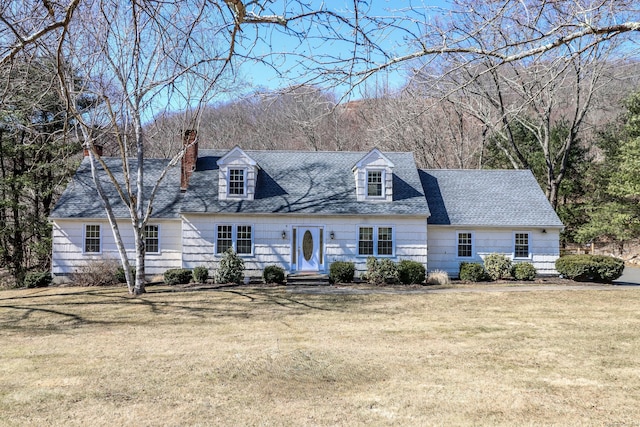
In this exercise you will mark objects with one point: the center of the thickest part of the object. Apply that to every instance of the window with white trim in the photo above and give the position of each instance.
(385, 241)
(375, 183)
(237, 182)
(152, 239)
(465, 244)
(237, 237)
(92, 238)
(243, 239)
(375, 241)
(521, 245)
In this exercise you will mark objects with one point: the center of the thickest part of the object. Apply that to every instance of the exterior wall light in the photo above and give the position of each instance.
(332, 235)
(284, 234)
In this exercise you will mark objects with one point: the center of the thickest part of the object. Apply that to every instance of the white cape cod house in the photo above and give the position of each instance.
(304, 210)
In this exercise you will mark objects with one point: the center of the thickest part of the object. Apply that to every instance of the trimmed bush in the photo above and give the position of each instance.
(200, 274)
(411, 272)
(524, 271)
(498, 266)
(341, 272)
(381, 271)
(438, 277)
(599, 268)
(38, 279)
(177, 276)
(273, 274)
(472, 272)
(231, 268)
(120, 277)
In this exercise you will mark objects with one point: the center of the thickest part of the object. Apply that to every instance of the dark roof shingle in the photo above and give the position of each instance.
(501, 198)
(305, 182)
(81, 200)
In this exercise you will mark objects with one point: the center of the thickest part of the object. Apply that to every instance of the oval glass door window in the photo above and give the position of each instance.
(307, 245)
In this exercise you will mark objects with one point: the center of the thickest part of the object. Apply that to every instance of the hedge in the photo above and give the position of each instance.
(598, 268)
(411, 272)
(472, 272)
(273, 274)
(177, 276)
(341, 272)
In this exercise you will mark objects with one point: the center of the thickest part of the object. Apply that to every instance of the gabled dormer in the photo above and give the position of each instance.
(237, 176)
(374, 178)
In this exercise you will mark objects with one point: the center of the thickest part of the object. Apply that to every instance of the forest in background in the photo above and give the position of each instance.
(543, 85)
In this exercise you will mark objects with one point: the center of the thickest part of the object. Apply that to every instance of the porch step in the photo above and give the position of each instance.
(308, 279)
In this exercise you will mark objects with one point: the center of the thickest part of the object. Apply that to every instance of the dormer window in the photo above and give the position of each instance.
(237, 183)
(374, 183)
(237, 176)
(374, 178)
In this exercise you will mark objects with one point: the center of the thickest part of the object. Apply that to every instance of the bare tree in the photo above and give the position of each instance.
(143, 57)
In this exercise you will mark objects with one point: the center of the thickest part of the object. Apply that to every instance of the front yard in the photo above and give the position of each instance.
(264, 356)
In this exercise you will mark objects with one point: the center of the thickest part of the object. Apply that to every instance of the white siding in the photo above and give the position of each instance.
(68, 246)
(270, 248)
(443, 247)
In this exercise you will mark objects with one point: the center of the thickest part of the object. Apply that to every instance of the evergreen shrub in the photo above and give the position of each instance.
(200, 274)
(38, 279)
(177, 276)
(472, 272)
(121, 278)
(273, 274)
(411, 272)
(381, 271)
(498, 266)
(341, 272)
(231, 268)
(524, 271)
(599, 268)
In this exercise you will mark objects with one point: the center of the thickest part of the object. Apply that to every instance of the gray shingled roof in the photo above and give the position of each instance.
(80, 199)
(306, 183)
(501, 198)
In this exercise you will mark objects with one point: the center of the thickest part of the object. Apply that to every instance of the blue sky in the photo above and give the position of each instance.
(260, 75)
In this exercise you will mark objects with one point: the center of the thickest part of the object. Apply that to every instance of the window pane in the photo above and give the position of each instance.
(365, 241)
(522, 245)
(92, 238)
(151, 238)
(243, 242)
(385, 241)
(374, 183)
(464, 245)
(224, 240)
(236, 181)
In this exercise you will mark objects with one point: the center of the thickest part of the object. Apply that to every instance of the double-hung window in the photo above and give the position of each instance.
(151, 239)
(465, 244)
(375, 241)
(375, 183)
(237, 237)
(237, 182)
(92, 238)
(521, 245)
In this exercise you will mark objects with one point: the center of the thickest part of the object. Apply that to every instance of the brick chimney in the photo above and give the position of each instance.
(189, 158)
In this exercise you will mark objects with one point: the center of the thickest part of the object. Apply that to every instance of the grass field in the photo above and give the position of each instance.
(262, 356)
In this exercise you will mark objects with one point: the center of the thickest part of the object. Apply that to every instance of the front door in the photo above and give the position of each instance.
(308, 247)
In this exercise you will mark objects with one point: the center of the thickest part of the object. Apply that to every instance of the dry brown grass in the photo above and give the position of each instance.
(94, 356)
(438, 277)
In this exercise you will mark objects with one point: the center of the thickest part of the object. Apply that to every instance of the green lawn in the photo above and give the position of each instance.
(262, 356)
